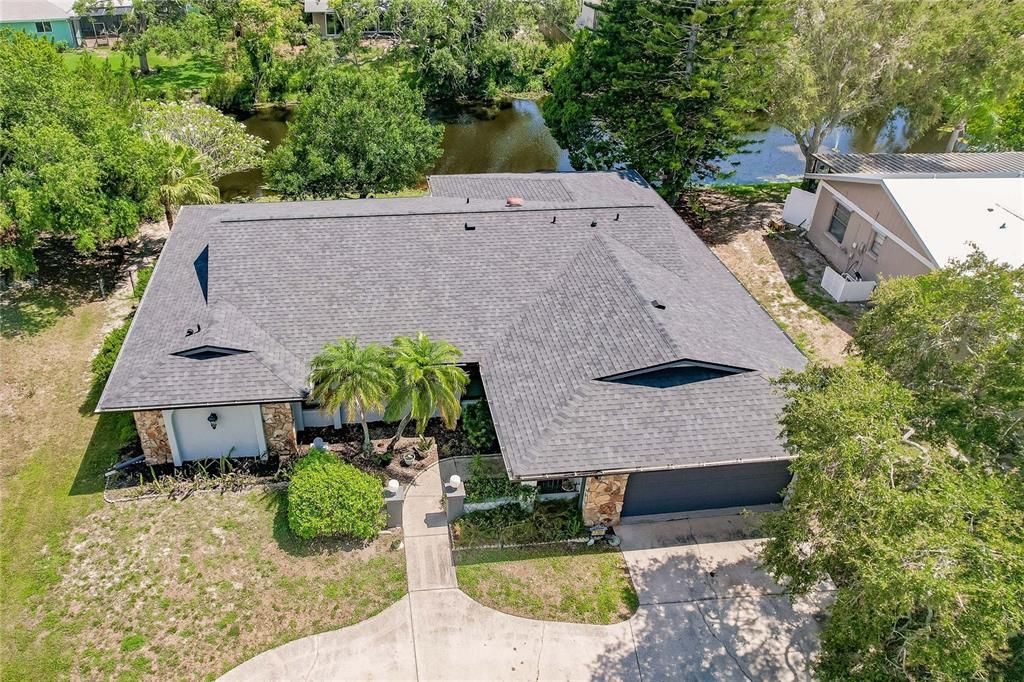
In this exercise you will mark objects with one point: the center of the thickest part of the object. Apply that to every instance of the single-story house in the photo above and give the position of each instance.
(611, 344)
(50, 19)
(876, 215)
(322, 15)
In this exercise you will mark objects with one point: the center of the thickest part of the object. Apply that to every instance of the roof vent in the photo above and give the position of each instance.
(593, 223)
(514, 201)
(554, 219)
(658, 304)
(468, 228)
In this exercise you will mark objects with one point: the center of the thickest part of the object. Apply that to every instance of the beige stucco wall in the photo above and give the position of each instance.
(279, 429)
(892, 259)
(153, 435)
(602, 499)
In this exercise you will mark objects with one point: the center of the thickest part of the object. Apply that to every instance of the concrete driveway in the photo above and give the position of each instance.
(707, 610)
(706, 613)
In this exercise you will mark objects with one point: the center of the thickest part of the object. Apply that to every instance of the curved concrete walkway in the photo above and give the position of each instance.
(436, 632)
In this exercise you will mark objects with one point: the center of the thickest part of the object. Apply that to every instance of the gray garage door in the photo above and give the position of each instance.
(739, 485)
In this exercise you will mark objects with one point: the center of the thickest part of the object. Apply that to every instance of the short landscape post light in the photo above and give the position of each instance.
(455, 481)
(393, 486)
(213, 420)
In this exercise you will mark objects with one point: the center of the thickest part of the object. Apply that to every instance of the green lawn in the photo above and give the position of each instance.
(574, 583)
(54, 458)
(161, 589)
(192, 72)
(189, 589)
(755, 192)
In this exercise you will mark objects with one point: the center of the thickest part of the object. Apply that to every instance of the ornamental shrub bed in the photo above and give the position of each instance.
(330, 497)
(483, 485)
(479, 428)
(510, 524)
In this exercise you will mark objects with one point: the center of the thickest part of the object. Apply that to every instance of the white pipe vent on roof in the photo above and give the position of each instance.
(514, 201)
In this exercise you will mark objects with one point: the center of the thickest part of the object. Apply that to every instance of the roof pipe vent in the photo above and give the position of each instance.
(616, 217)
(554, 219)
(593, 223)
(658, 304)
(468, 227)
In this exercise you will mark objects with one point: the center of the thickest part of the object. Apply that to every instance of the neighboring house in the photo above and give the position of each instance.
(320, 14)
(610, 342)
(50, 19)
(876, 215)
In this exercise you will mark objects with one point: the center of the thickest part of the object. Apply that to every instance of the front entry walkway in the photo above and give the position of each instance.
(683, 630)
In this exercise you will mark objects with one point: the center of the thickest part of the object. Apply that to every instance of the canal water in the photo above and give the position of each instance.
(517, 140)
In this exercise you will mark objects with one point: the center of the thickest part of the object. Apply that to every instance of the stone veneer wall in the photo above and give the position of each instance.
(602, 499)
(279, 429)
(153, 434)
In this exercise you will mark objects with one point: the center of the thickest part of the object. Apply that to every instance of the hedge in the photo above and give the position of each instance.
(329, 497)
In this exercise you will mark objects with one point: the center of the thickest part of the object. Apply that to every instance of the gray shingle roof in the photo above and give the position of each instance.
(547, 298)
(1005, 163)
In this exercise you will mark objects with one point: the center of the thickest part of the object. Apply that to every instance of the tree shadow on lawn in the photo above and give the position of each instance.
(703, 625)
(277, 501)
(65, 278)
(719, 217)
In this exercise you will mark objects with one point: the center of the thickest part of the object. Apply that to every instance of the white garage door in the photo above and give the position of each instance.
(239, 432)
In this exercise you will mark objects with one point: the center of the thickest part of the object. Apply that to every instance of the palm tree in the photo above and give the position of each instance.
(185, 182)
(360, 379)
(428, 381)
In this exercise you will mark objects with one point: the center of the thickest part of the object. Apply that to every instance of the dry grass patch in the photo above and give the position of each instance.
(573, 584)
(780, 268)
(187, 590)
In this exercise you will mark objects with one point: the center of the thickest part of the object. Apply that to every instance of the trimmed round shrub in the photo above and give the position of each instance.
(329, 497)
(476, 422)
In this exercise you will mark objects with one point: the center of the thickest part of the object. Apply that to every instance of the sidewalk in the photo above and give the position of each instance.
(428, 554)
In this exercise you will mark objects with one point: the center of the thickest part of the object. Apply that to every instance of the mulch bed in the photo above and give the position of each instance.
(347, 442)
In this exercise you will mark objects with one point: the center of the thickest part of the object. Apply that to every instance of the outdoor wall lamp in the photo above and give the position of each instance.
(213, 420)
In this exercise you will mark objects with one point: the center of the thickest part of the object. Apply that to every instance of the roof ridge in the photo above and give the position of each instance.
(280, 346)
(598, 243)
(644, 305)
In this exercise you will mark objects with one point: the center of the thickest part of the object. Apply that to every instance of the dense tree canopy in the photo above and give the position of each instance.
(954, 338)
(357, 132)
(907, 489)
(476, 49)
(1000, 129)
(222, 144)
(72, 159)
(926, 549)
(850, 60)
(663, 86)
